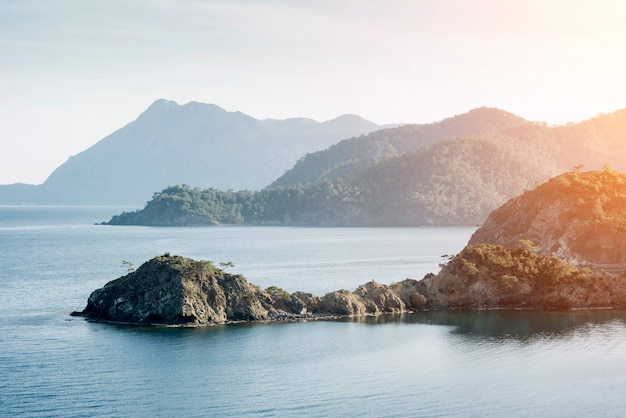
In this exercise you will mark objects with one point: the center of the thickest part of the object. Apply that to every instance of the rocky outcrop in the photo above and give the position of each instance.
(553, 247)
(175, 290)
(488, 276)
(579, 216)
(178, 291)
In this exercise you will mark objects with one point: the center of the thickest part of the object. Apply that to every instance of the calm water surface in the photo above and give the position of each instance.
(428, 364)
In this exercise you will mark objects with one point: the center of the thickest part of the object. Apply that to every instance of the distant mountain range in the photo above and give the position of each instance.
(352, 155)
(593, 143)
(453, 172)
(198, 144)
(346, 171)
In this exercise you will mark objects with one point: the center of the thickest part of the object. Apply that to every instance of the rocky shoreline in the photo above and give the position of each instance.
(177, 291)
(544, 249)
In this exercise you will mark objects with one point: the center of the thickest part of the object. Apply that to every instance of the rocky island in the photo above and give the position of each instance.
(559, 246)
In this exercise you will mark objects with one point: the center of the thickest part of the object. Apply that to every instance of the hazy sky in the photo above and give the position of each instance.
(73, 72)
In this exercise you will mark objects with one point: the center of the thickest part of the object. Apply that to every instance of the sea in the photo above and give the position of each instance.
(428, 364)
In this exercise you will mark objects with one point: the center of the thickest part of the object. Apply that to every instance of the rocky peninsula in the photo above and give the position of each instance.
(560, 246)
(174, 290)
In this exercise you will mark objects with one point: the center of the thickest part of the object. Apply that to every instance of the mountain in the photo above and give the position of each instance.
(198, 144)
(454, 181)
(352, 155)
(592, 143)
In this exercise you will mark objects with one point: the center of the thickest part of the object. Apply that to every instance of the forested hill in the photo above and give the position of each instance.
(352, 155)
(456, 181)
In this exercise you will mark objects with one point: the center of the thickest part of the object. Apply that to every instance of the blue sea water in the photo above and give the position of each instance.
(428, 364)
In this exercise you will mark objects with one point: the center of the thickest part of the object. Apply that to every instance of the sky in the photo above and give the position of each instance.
(73, 71)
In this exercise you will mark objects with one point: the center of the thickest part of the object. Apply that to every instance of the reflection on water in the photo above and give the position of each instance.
(492, 324)
(517, 325)
(491, 363)
(505, 324)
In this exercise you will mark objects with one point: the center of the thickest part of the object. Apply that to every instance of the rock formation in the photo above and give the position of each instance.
(173, 290)
(578, 216)
(548, 248)
(488, 276)
(176, 290)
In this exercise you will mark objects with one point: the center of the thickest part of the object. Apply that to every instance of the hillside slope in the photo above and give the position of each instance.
(455, 182)
(559, 246)
(350, 156)
(578, 216)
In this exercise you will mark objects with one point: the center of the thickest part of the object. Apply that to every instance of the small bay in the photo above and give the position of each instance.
(498, 363)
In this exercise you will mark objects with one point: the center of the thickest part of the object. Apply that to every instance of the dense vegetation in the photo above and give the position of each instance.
(410, 175)
(490, 276)
(350, 156)
(458, 181)
(318, 204)
(508, 266)
(594, 142)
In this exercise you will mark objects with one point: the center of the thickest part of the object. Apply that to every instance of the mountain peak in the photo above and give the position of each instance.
(162, 104)
(205, 107)
(491, 115)
(159, 107)
(194, 143)
(348, 117)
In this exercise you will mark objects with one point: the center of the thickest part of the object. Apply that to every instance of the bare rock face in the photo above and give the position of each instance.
(411, 293)
(174, 290)
(579, 216)
(380, 298)
(374, 299)
(344, 303)
(312, 303)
